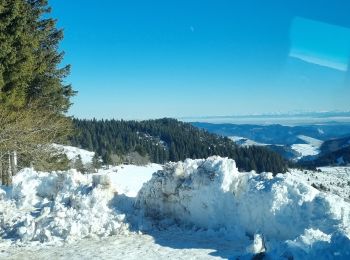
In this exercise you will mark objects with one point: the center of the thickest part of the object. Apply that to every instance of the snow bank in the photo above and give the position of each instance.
(212, 194)
(49, 207)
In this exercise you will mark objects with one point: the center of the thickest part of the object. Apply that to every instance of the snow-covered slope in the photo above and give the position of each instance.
(310, 148)
(242, 141)
(334, 180)
(73, 153)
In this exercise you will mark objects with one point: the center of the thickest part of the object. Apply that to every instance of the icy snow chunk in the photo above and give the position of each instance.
(258, 245)
(62, 206)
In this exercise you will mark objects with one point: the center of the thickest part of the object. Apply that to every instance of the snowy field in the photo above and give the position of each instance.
(245, 142)
(197, 209)
(311, 146)
(335, 180)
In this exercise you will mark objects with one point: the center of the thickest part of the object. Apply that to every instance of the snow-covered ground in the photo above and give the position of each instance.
(310, 148)
(197, 209)
(335, 180)
(160, 244)
(242, 141)
(128, 179)
(73, 153)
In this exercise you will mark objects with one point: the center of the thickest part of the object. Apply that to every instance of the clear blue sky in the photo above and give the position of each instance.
(150, 59)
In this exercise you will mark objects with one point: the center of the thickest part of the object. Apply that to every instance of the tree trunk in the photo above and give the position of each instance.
(4, 169)
(1, 170)
(9, 171)
(13, 158)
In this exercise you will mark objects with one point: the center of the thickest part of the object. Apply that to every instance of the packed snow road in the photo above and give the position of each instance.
(197, 209)
(160, 245)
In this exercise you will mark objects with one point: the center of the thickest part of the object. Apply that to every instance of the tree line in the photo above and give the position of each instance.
(164, 140)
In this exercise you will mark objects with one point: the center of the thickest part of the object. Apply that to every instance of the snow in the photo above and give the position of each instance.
(312, 141)
(333, 180)
(212, 194)
(47, 207)
(158, 245)
(196, 209)
(242, 141)
(128, 179)
(73, 153)
(54, 207)
(311, 148)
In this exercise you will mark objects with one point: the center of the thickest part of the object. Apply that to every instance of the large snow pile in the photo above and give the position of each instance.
(292, 217)
(51, 207)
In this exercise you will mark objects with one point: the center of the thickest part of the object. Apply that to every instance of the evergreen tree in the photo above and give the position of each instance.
(29, 57)
(96, 162)
(31, 82)
(79, 165)
(166, 140)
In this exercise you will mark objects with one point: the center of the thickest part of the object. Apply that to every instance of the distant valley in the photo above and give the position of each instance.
(318, 145)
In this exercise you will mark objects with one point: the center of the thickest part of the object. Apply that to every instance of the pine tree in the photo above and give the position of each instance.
(96, 162)
(31, 81)
(29, 57)
(78, 164)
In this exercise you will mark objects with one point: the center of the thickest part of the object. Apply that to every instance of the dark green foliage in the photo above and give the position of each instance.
(78, 164)
(51, 162)
(166, 140)
(96, 163)
(29, 58)
(33, 95)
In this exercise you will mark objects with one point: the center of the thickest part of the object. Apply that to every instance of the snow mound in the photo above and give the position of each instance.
(61, 206)
(212, 194)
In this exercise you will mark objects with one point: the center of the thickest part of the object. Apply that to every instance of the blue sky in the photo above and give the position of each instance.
(150, 59)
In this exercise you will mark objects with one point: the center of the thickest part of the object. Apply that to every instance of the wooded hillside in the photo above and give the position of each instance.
(165, 140)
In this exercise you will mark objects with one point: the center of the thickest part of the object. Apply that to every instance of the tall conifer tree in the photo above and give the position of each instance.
(32, 88)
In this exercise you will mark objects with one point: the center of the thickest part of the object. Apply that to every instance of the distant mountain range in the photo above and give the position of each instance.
(291, 119)
(321, 144)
